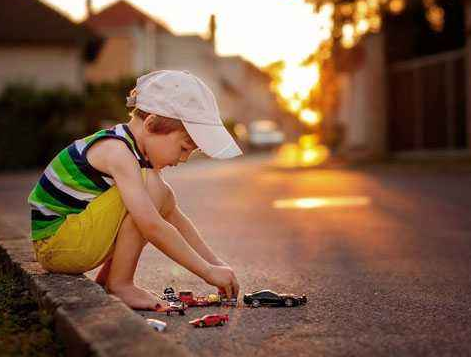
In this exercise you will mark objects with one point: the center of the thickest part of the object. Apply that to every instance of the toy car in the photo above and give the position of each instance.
(271, 298)
(169, 294)
(229, 302)
(210, 320)
(176, 307)
(188, 298)
(225, 301)
(214, 299)
(157, 324)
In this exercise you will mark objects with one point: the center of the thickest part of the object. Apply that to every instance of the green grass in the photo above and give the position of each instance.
(25, 330)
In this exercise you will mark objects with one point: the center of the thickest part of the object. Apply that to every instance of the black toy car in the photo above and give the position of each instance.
(271, 298)
(169, 295)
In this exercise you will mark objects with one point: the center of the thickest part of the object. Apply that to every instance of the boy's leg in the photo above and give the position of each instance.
(120, 280)
(102, 275)
(128, 248)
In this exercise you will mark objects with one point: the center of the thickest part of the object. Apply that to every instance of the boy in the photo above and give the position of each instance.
(101, 199)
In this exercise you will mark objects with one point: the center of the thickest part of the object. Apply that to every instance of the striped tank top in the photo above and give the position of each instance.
(70, 183)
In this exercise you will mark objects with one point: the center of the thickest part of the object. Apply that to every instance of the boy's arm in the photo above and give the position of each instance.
(185, 226)
(123, 167)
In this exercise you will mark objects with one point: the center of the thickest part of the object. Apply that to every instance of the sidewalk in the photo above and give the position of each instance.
(88, 321)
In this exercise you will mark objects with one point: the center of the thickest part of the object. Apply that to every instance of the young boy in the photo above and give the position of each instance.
(101, 199)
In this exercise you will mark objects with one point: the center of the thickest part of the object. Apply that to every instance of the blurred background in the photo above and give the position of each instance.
(315, 89)
(312, 81)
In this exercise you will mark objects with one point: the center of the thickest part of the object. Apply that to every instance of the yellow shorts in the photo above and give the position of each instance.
(85, 240)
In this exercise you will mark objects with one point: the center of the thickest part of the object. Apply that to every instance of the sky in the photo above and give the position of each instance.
(261, 31)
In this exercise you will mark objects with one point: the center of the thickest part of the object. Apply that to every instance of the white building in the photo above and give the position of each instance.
(39, 46)
(136, 43)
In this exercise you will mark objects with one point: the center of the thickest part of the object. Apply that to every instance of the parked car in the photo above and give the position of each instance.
(271, 298)
(264, 133)
(210, 320)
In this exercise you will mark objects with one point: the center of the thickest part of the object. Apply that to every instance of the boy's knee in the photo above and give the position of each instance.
(152, 178)
(131, 230)
(157, 188)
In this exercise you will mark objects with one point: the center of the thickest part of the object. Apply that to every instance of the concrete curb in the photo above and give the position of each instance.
(89, 321)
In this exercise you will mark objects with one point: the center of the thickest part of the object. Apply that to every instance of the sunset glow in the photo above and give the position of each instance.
(272, 30)
(322, 202)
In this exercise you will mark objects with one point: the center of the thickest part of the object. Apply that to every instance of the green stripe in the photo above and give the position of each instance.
(37, 234)
(68, 179)
(91, 137)
(38, 225)
(74, 171)
(94, 136)
(129, 139)
(41, 197)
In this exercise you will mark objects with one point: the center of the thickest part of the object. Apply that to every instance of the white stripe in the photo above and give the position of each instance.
(52, 176)
(80, 145)
(45, 211)
(121, 132)
(108, 180)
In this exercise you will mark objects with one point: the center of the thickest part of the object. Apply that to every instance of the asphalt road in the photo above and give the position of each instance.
(389, 277)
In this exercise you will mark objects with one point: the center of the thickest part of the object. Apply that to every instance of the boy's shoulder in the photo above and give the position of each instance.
(109, 152)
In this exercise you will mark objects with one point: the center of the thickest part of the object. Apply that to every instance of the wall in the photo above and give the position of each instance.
(468, 67)
(363, 103)
(115, 59)
(46, 67)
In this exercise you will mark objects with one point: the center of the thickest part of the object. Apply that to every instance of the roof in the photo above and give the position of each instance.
(121, 14)
(33, 22)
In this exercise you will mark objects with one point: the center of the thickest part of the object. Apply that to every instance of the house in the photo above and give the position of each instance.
(131, 42)
(40, 46)
(248, 94)
(137, 43)
(406, 91)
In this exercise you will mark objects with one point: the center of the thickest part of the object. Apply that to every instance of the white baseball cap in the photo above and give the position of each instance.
(183, 96)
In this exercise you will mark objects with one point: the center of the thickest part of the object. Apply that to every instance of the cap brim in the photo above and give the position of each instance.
(214, 140)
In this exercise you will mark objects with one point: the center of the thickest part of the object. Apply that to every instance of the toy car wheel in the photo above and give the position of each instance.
(201, 324)
(181, 312)
(168, 313)
(256, 303)
(289, 302)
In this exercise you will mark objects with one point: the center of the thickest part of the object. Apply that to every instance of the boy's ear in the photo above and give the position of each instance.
(149, 122)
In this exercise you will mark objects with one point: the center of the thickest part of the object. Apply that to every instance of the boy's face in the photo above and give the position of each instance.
(168, 149)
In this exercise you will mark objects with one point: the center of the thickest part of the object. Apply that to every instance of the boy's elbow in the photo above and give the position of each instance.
(155, 232)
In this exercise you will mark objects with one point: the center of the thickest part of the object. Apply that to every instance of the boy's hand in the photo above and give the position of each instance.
(223, 277)
(220, 263)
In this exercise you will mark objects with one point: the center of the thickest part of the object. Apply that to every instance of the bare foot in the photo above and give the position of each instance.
(134, 297)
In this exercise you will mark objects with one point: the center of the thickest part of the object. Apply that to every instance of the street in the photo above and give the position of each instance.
(386, 271)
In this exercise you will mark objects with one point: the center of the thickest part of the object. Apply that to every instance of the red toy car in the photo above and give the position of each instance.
(190, 300)
(210, 320)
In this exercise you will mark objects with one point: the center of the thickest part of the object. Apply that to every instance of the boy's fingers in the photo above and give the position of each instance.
(235, 285)
(228, 291)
